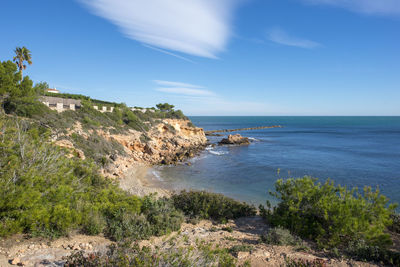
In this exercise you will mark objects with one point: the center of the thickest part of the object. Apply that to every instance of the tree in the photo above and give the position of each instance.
(18, 96)
(22, 54)
(165, 107)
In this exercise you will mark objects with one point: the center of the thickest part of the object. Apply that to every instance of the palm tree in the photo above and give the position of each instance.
(22, 54)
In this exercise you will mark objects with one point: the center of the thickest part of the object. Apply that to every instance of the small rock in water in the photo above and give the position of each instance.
(236, 139)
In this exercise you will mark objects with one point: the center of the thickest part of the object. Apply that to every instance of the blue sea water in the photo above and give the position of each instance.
(353, 151)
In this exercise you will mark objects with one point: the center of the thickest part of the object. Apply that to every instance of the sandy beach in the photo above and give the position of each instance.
(137, 181)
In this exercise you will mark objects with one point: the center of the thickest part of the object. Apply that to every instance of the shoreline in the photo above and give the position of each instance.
(136, 180)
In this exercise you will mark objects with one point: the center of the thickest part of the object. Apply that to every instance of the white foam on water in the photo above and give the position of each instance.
(202, 156)
(218, 153)
(156, 174)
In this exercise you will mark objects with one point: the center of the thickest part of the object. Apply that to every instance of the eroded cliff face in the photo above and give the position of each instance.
(168, 142)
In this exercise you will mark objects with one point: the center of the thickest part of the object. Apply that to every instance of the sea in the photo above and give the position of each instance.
(352, 151)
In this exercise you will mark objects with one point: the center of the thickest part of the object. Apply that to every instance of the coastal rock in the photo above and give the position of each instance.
(15, 261)
(169, 142)
(242, 254)
(236, 139)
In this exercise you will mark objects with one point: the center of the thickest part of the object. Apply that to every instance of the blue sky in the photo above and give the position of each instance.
(225, 57)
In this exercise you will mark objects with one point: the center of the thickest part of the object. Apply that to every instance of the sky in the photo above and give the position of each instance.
(208, 57)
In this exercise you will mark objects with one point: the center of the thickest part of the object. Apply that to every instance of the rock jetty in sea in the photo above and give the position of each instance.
(214, 132)
(236, 139)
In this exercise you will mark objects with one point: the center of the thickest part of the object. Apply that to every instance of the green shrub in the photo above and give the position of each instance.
(45, 193)
(395, 227)
(126, 255)
(360, 250)
(97, 147)
(281, 237)
(240, 248)
(227, 229)
(206, 205)
(305, 263)
(162, 215)
(128, 226)
(331, 215)
(94, 223)
(157, 217)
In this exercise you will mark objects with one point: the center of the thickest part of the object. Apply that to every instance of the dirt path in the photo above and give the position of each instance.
(242, 235)
(44, 252)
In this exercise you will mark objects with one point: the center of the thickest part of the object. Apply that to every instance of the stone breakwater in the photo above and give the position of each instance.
(209, 133)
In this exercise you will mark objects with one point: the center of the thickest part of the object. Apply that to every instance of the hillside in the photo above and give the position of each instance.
(111, 134)
(116, 140)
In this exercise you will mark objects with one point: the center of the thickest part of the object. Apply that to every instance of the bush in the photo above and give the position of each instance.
(97, 147)
(157, 217)
(363, 252)
(240, 248)
(281, 237)
(331, 215)
(162, 215)
(94, 223)
(126, 255)
(128, 226)
(395, 227)
(206, 205)
(305, 263)
(45, 193)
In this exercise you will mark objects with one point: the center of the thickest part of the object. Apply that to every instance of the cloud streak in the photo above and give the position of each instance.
(185, 89)
(281, 37)
(195, 27)
(372, 7)
(168, 53)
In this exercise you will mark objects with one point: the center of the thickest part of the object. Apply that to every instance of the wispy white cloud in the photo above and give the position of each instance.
(373, 7)
(197, 100)
(185, 91)
(194, 27)
(182, 88)
(168, 53)
(279, 36)
(177, 84)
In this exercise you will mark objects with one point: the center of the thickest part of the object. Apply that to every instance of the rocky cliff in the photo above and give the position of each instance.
(168, 142)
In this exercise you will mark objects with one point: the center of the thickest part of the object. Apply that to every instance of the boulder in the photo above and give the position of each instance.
(242, 255)
(236, 139)
(149, 150)
(15, 261)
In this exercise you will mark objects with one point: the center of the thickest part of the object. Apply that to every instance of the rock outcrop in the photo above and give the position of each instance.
(236, 139)
(169, 142)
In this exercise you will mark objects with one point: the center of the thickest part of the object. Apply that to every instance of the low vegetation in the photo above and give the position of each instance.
(334, 217)
(305, 263)
(205, 205)
(133, 255)
(329, 214)
(281, 237)
(45, 193)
